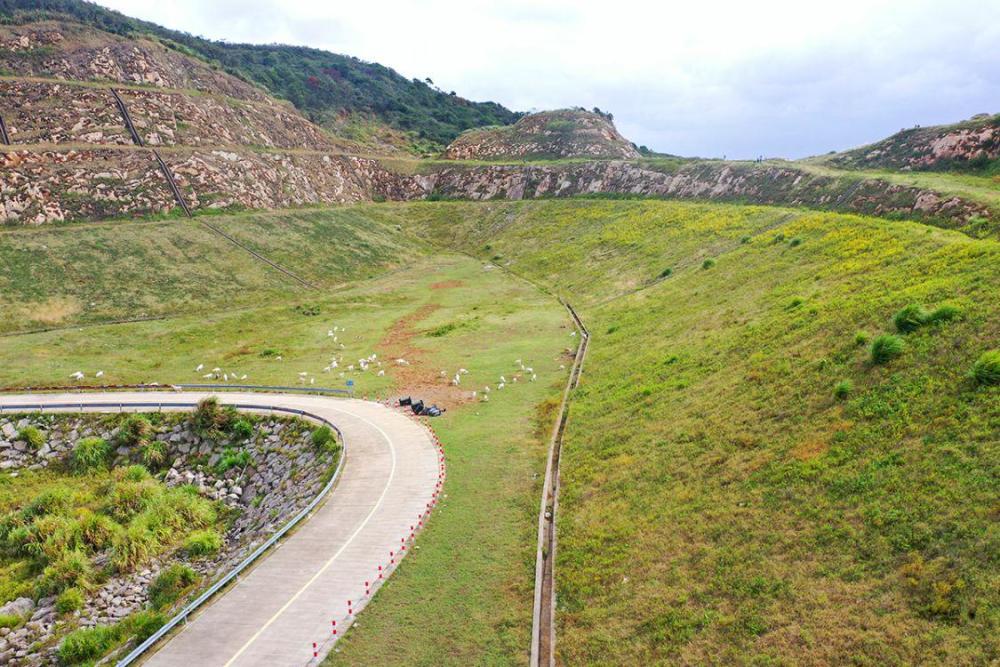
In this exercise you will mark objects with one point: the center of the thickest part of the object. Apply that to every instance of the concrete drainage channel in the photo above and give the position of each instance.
(336, 623)
(543, 627)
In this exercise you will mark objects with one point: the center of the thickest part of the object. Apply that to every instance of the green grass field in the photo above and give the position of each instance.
(741, 484)
(720, 504)
(464, 596)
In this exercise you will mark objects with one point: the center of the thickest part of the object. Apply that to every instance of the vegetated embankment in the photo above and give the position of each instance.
(785, 441)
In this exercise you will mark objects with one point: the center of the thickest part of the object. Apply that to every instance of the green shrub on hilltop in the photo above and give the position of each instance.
(885, 348)
(986, 370)
(912, 317)
(324, 440)
(843, 389)
(87, 644)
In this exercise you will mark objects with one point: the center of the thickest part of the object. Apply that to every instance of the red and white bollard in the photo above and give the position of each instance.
(315, 650)
(334, 624)
(350, 609)
(379, 571)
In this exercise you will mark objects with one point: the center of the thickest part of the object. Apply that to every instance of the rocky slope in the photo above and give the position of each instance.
(566, 133)
(972, 144)
(759, 184)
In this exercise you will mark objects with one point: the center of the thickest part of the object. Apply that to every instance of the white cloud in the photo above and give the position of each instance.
(773, 77)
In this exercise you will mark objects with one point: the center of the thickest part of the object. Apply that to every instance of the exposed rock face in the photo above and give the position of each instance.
(52, 112)
(763, 184)
(974, 141)
(549, 134)
(74, 52)
(42, 112)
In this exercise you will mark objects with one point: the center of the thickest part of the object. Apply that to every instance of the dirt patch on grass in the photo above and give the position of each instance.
(448, 284)
(53, 311)
(419, 379)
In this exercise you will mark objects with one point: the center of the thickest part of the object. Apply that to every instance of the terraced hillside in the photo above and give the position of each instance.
(364, 101)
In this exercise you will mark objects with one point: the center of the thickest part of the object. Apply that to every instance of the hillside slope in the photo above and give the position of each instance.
(367, 101)
(972, 145)
(547, 135)
(742, 484)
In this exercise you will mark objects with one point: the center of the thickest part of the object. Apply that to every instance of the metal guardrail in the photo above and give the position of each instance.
(183, 614)
(4, 137)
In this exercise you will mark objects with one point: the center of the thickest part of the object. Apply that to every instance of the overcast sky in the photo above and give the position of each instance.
(703, 77)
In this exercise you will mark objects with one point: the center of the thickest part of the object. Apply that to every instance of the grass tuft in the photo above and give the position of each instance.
(885, 348)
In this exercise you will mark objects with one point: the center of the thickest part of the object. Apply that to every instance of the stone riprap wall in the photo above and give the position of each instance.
(284, 474)
(55, 112)
(38, 187)
(37, 112)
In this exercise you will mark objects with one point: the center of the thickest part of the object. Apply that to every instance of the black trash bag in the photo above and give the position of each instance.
(405, 401)
(434, 411)
(417, 407)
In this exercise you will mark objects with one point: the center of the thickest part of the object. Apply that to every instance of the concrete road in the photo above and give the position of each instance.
(293, 595)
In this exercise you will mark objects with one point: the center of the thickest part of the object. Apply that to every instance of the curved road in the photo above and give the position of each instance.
(291, 598)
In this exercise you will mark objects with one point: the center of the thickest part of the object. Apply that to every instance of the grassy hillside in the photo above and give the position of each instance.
(971, 146)
(741, 482)
(464, 594)
(93, 273)
(337, 90)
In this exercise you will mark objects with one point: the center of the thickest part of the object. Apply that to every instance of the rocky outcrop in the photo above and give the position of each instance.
(74, 52)
(567, 133)
(761, 184)
(53, 112)
(38, 187)
(972, 143)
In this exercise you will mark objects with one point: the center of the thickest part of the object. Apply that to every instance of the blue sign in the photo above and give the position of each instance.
(350, 383)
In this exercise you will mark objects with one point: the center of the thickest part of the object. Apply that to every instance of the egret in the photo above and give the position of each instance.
(100, 374)
(200, 366)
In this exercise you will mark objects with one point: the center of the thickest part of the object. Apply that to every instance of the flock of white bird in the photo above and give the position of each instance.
(369, 363)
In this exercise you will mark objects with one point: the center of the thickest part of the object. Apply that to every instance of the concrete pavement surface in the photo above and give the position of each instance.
(294, 594)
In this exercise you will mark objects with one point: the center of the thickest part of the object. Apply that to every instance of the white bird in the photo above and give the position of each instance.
(402, 362)
(474, 394)
(502, 379)
(501, 386)
(243, 378)
(486, 398)
(444, 374)
(341, 346)
(572, 333)
(381, 373)
(77, 375)
(100, 374)
(333, 364)
(225, 377)
(312, 380)
(278, 358)
(351, 367)
(463, 371)
(207, 376)
(533, 377)
(303, 374)
(200, 366)
(326, 370)
(514, 379)
(529, 369)
(330, 333)
(216, 370)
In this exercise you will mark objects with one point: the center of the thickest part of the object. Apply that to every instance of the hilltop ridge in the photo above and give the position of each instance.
(563, 133)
